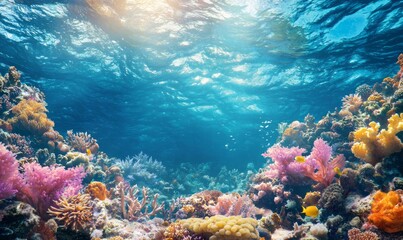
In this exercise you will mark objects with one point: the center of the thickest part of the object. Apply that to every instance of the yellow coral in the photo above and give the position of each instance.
(372, 146)
(30, 116)
(387, 211)
(221, 227)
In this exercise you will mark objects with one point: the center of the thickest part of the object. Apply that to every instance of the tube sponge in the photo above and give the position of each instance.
(222, 228)
(371, 145)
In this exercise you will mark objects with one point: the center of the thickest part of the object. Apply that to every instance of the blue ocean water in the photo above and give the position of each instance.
(196, 80)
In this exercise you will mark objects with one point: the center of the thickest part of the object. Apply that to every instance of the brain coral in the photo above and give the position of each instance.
(223, 228)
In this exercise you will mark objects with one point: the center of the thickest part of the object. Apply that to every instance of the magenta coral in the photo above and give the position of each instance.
(41, 186)
(8, 173)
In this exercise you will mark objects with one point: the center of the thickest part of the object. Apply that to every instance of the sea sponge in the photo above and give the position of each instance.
(97, 190)
(30, 117)
(387, 211)
(222, 228)
(372, 146)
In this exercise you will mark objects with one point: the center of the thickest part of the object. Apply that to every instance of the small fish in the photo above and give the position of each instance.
(338, 171)
(311, 211)
(88, 151)
(300, 159)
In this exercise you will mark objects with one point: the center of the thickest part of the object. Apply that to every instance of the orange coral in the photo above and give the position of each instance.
(387, 211)
(97, 190)
(30, 116)
(372, 146)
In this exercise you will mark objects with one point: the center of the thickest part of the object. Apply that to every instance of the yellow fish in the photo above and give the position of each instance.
(311, 211)
(338, 171)
(88, 151)
(300, 159)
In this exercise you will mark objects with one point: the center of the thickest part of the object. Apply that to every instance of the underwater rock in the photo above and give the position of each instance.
(17, 216)
(348, 180)
(397, 183)
(332, 198)
(364, 91)
(319, 231)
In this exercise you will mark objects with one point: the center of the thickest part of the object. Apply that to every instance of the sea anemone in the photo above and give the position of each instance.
(74, 212)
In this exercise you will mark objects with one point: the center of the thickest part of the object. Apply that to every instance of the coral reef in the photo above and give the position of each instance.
(314, 165)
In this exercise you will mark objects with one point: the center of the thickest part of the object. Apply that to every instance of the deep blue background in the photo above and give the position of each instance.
(199, 81)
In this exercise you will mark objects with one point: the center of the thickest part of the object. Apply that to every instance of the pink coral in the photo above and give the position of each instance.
(234, 205)
(284, 167)
(8, 173)
(318, 165)
(41, 186)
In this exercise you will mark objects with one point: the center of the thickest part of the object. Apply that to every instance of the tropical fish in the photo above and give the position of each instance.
(300, 159)
(338, 171)
(88, 151)
(311, 211)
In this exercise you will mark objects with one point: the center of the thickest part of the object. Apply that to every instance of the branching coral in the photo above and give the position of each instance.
(132, 208)
(82, 141)
(30, 117)
(74, 212)
(372, 146)
(140, 167)
(387, 211)
(8, 173)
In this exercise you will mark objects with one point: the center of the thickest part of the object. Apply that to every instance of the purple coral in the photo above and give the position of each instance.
(41, 186)
(8, 173)
(284, 167)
